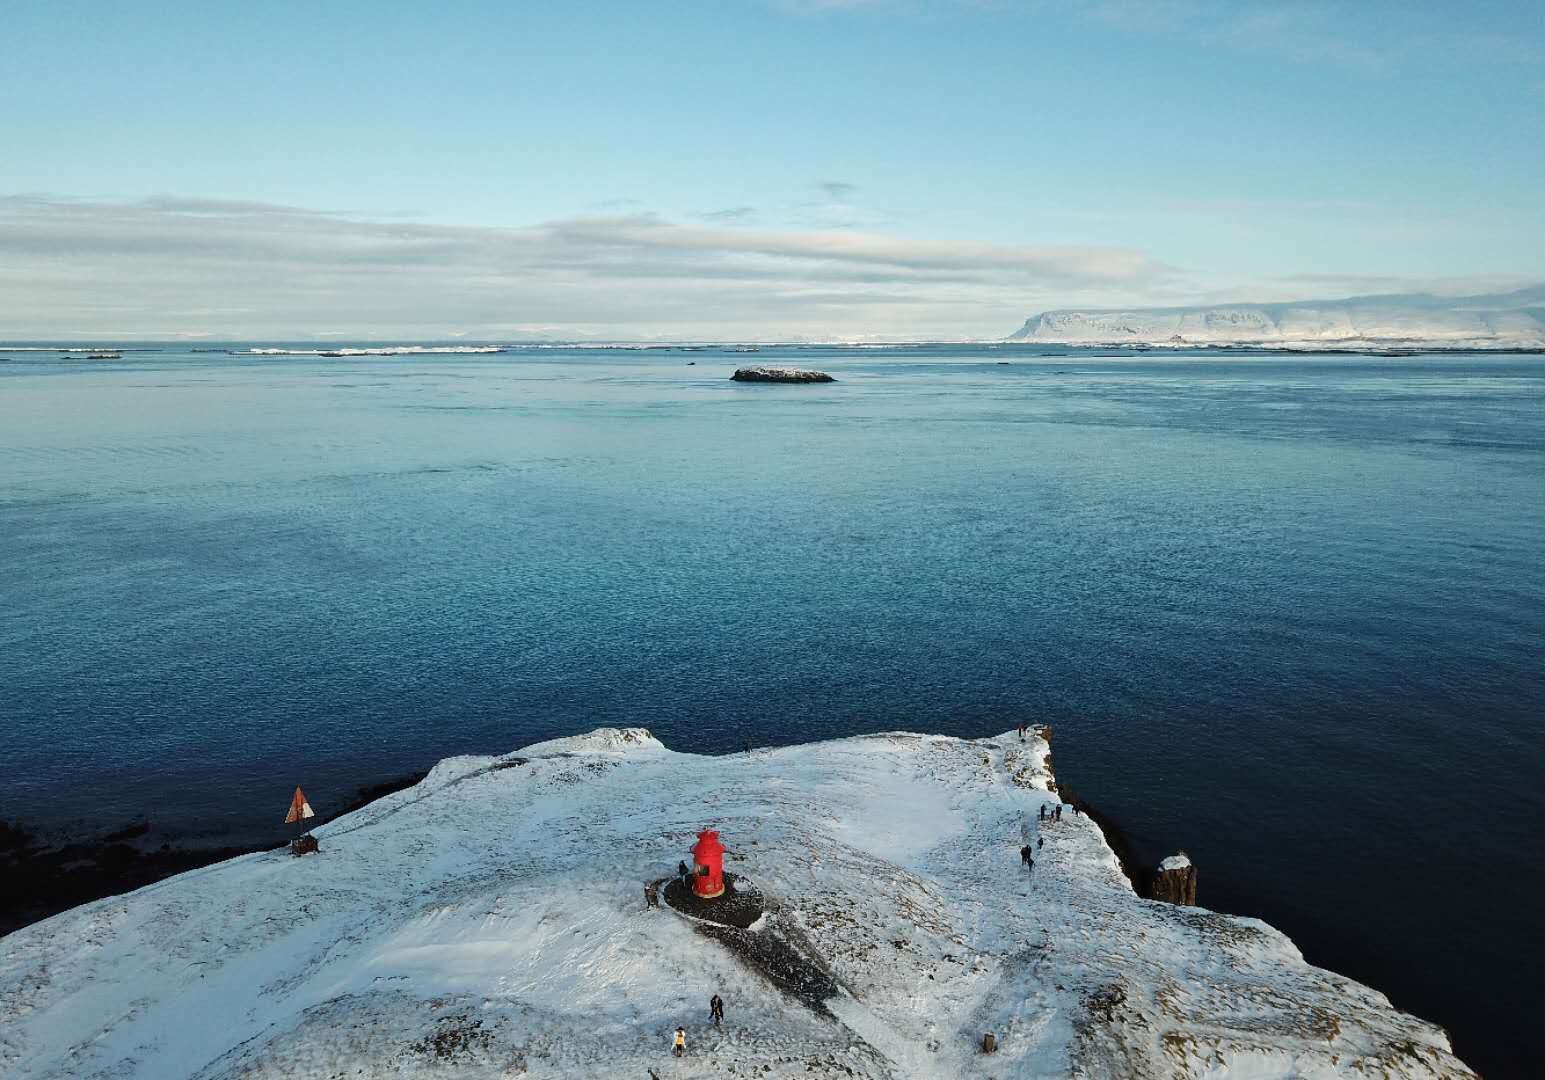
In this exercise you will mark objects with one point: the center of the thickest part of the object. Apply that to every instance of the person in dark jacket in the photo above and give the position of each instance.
(1024, 853)
(682, 872)
(716, 1010)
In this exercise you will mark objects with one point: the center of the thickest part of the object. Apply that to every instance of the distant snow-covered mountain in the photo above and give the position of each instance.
(1514, 320)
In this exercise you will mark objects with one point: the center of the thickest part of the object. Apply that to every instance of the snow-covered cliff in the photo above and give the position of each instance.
(1513, 320)
(492, 919)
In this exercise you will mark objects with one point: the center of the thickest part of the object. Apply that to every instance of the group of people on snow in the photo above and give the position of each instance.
(715, 1003)
(1055, 812)
(1044, 814)
(715, 1016)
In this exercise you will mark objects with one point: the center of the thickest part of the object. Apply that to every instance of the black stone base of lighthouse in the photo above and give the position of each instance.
(739, 905)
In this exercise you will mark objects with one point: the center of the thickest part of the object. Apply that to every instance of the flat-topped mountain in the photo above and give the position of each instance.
(1513, 320)
(493, 920)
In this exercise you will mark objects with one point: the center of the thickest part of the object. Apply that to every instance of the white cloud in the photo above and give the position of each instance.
(212, 266)
(730, 215)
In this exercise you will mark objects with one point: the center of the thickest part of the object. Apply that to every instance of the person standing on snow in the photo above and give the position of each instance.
(679, 1046)
(716, 1010)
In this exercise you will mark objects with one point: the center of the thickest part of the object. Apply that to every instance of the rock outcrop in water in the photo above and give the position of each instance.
(489, 919)
(780, 375)
(1175, 881)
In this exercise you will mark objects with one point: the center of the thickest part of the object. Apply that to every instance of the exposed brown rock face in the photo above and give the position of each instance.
(1174, 881)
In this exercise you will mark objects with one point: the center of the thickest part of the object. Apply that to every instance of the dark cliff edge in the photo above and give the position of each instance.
(1117, 838)
(47, 874)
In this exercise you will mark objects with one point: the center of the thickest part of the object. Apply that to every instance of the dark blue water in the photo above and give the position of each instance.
(1287, 613)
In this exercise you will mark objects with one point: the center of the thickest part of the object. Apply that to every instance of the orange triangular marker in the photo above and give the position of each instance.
(299, 808)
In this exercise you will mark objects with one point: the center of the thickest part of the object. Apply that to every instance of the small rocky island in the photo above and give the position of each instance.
(779, 375)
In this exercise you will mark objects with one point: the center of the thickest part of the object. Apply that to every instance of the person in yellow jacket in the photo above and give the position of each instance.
(679, 1047)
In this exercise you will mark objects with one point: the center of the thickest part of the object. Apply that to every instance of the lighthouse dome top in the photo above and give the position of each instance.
(707, 844)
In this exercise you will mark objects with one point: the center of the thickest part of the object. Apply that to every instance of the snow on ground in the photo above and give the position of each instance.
(490, 922)
(1514, 320)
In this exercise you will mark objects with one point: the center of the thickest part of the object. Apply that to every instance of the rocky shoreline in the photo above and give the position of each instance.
(47, 873)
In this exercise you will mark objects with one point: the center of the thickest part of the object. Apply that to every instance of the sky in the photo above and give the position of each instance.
(751, 169)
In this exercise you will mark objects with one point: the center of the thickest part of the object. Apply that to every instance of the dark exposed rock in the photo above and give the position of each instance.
(304, 845)
(456, 1035)
(44, 877)
(370, 793)
(781, 954)
(129, 832)
(773, 946)
(740, 905)
(780, 375)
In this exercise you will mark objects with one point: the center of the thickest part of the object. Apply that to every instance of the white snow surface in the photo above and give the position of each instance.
(1175, 862)
(490, 922)
(1513, 320)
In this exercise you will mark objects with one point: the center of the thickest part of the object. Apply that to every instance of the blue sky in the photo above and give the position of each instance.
(756, 169)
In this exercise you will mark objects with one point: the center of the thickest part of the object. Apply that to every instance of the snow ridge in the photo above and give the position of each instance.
(492, 919)
(1513, 320)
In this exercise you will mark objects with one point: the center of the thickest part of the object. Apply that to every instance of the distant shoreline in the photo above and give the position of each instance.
(367, 349)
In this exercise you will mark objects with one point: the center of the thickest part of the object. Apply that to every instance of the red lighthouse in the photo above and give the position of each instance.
(708, 872)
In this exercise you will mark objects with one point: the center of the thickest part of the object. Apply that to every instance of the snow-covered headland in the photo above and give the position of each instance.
(1514, 320)
(491, 922)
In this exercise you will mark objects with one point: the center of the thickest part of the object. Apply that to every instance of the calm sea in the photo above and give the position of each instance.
(1286, 613)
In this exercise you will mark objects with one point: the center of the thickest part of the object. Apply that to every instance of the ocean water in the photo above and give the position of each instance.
(1286, 613)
